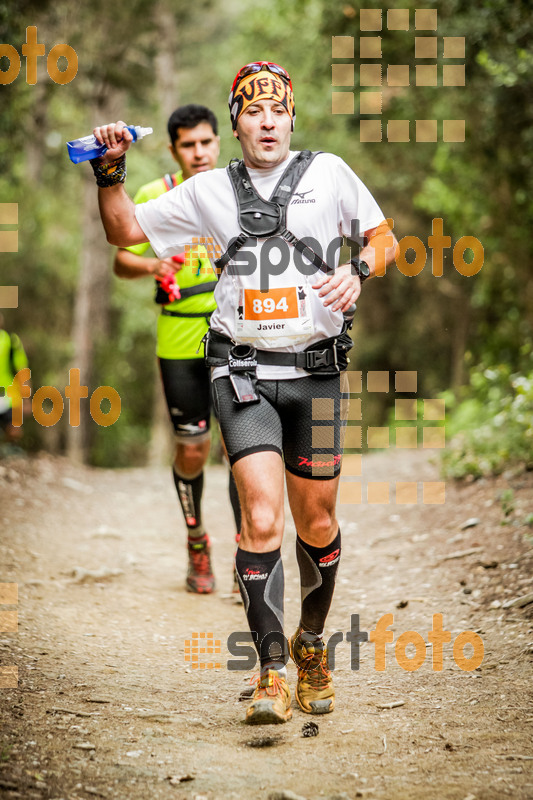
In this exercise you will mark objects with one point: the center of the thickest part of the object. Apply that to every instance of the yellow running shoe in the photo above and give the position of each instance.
(314, 691)
(271, 703)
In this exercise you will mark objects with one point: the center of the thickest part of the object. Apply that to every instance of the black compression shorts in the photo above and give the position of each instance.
(6, 418)
(187, 387)
(303, 420)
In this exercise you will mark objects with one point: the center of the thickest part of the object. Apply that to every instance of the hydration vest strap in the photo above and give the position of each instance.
(233, 249)
(191, 291)
(169, 181)
(327, 357)
(306, 251)
(200, 288)
(167, 312)
(262, 218)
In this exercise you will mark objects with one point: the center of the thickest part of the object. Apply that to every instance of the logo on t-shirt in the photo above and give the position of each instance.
(300, 197)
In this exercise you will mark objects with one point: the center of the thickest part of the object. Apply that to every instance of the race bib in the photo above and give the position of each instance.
(277, 318)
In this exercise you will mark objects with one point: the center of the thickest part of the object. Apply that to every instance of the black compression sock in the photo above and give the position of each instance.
(190, 497)
(235, 503)
(318, 569)
(261, 583)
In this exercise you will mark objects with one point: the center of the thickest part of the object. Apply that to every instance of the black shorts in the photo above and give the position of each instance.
(302, 419)
(187, 387)
(6, 418)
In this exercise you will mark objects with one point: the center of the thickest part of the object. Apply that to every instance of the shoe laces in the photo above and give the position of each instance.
(199, 557)
(270, 684)
(314, 667)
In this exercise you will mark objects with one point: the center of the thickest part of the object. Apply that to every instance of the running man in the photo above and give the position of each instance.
(278, 344)
(194, 145)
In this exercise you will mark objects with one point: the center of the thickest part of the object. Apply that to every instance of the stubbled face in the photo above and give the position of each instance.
(264, 132)
(196, 149)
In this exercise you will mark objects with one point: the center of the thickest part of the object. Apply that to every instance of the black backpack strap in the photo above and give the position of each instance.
(234, 246)
(306, 251)
(257, 216)
(200, 288)
(167, 312)
(292, 176)
(262, 218)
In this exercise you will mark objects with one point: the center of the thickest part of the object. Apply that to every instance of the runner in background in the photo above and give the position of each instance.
(12, 359)
(194, 145)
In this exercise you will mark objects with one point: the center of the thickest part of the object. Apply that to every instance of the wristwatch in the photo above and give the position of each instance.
(360, 268)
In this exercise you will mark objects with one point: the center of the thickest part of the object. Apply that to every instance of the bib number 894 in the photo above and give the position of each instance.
(269, 305)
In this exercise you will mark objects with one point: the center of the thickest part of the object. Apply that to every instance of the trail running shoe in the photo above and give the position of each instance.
(200, 578)
(314, 690)
(271, 703)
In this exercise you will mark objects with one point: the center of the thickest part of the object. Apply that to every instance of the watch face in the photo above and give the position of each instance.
(361, 268)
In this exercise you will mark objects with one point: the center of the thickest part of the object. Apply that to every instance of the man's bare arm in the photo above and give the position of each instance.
(131, 265)
(117, 210)
(342, 287)
(381, 248)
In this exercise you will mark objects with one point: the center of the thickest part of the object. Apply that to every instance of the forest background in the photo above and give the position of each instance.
(469, 339)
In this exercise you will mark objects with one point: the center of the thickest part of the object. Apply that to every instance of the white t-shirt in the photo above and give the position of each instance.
(328, 202)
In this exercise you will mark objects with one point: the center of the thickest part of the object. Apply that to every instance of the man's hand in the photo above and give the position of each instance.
(340, 289)
(165, 266)
(116, 137)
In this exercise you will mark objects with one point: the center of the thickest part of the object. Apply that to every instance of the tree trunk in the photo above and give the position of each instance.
(161, 440)
(92, 304)
(165, 62)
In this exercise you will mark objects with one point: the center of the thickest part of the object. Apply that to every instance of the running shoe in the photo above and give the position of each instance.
(314, 690)
(271, 703)
(200, 578)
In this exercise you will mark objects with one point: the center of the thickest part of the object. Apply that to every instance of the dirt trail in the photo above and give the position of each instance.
(107, 706)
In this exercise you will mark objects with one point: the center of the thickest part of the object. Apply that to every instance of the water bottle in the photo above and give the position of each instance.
(89, 147)
(349, 315)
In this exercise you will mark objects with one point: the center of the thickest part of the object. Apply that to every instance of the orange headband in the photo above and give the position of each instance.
(261, 86)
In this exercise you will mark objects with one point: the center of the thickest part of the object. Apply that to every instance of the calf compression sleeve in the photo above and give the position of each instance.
(190, 496)
(318, 569)
(262, 584)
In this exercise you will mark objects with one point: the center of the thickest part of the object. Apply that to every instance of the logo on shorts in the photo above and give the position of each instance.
(191, 429)
(251, 574)
(305, 462)
(330, 559)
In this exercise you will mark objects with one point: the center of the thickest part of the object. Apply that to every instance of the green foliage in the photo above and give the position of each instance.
(491, 428)
(482, 187)
(507, 502)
